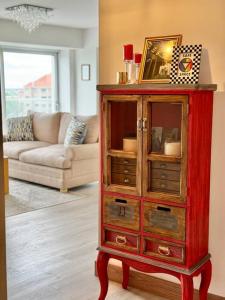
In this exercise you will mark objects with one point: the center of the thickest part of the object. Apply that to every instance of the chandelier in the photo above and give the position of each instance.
(29, 17)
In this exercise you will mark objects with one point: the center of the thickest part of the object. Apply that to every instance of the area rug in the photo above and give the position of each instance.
(25, 197)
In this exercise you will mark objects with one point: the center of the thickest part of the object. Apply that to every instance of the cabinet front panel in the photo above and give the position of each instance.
(123, 179)
(122, 143)
(165, 186)
(124, 169)
(165, 147)
(164, 220)
(121, 240)
(163, 165)
(164, 250)
(121, 211)
(124, 161)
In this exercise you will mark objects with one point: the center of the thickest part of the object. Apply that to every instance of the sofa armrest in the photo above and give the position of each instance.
(83, 151)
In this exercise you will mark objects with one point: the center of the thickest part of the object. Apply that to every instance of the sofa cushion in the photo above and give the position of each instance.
(92, 128)
(20, 129)
(46, 127)
(91, 123)
(83, 151)
(14, 149)
(76, 132)
(55, 156)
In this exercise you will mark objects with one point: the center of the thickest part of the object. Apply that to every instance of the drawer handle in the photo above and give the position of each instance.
(163, 165)
(163, 176)
(144, 124)
(121, 240)
(163, 185)
(139, 125)
(125, 161)
(126, 171)
(162, 250)
(121, 201)
(126, 180)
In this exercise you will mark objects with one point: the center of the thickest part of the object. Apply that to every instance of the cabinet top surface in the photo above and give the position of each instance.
(163, 87)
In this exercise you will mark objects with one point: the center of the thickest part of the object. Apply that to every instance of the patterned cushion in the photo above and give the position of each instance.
(20, 129)
(76, 132)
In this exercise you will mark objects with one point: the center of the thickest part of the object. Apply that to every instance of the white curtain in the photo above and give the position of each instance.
(2, 84)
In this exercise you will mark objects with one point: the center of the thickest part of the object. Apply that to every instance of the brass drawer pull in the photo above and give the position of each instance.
(163, 176)
(162, 250)
(121, 240)
(126, 180)
(125, 161)
(126, 171)
(163, 185)
(163, 166)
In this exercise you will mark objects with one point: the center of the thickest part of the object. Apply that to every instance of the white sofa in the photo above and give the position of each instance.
(47, 161)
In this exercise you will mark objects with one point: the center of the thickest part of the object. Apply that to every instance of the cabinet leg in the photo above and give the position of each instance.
(205, 281)
(102, 266)
(187, 287)
(126, 270)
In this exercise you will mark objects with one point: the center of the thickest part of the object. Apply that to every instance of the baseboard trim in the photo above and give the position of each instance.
(153, 285)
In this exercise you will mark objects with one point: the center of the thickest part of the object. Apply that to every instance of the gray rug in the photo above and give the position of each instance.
(24, 197)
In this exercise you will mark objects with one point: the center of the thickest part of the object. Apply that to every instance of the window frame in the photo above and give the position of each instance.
(55, 77)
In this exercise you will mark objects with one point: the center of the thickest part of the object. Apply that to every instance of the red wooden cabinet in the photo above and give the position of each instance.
(155, 194)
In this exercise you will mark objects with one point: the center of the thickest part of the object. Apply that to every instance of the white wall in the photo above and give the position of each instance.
(202, 21)
(86, 95)
(67, 80)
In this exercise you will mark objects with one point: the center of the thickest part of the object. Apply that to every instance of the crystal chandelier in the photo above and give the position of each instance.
(29, 17)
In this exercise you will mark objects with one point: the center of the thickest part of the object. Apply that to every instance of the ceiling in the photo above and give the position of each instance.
(69, 13)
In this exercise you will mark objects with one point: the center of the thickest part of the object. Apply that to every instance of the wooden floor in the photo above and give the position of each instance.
(51, 254)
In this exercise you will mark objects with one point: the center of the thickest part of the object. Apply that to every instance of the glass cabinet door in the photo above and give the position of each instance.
(123, 143)
(164, 147)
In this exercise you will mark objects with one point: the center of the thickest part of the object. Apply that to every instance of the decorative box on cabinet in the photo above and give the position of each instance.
(155, 201)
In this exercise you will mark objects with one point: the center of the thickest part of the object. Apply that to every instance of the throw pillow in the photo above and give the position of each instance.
(20, 129)
(76, 132)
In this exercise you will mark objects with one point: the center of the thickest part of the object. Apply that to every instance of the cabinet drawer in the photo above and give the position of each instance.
(164, 220)
(166, 165)
(123, 179)
(121, 240)
(123, 161)
(122, 212)
(164, 250)
(165, 174)
(124, 169)
(165, 186)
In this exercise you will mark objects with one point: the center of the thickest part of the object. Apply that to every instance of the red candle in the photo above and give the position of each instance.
(137, 58)
(128, 52)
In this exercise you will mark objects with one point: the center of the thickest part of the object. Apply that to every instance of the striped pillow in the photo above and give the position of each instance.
(76, 132)
(20, 129)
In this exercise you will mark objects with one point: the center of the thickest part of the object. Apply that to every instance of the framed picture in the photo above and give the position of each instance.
(157, 139)
(85, 72)
(186, 64)
(157, 58)
(162, 134)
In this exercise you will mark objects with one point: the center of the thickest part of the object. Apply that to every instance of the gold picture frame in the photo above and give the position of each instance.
(157, 58)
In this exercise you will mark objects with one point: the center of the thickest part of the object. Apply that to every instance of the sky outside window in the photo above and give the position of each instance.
(28, 83)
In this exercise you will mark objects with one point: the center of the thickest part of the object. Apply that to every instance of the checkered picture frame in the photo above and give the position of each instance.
(175, 78)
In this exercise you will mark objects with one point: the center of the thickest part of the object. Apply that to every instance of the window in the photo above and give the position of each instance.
(30, 82)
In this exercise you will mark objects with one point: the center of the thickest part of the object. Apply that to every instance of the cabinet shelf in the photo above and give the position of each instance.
(163, 157)
(121, 153)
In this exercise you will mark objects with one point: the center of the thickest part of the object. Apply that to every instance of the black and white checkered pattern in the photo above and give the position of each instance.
(175, 78)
